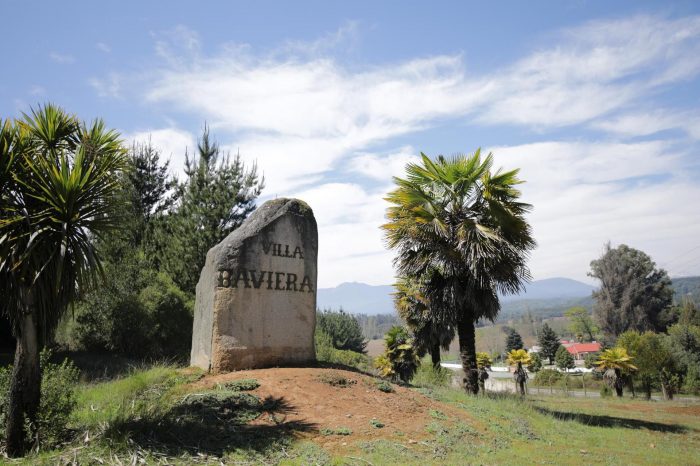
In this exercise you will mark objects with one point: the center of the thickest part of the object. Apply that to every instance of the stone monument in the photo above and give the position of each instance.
(256, 296)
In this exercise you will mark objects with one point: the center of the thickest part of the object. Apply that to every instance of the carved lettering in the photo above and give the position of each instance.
(306, 282)
(297, 250)
(283, 281)
(292, 281)
(242, 275)
(277, 249)
(278, 280)
(266, 246)
(257, 281)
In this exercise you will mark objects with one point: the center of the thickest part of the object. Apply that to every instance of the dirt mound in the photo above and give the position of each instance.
(341, 403)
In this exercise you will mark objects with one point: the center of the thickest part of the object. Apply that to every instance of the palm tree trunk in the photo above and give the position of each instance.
(619, 383)
(647, 388)
(25, 387)
(467, 353)
(435, 355)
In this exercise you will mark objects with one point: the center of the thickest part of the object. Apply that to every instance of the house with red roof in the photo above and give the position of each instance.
(580, 350)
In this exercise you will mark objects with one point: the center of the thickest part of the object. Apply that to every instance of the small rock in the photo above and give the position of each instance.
(411, 441)
(584, 452)
(651, 445)
(348, 415)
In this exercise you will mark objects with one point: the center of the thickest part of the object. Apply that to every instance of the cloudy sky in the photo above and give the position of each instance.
(598, 104)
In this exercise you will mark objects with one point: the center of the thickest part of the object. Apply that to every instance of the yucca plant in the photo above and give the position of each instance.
(519, 358)
(58, 179)
(614, 363)
(460, 229)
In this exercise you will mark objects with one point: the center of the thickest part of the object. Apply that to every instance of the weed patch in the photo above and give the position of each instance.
(243, 385)
(336, 380)
(335, 431)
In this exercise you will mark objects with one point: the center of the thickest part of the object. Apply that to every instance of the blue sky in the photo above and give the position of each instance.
(597, 102)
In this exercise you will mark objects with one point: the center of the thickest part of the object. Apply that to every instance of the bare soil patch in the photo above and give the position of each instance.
(311, 398)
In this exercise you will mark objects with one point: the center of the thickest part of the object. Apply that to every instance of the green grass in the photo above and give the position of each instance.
(154, 416)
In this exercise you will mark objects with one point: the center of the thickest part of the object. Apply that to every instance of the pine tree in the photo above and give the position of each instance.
(215, 198)
(513, 341)
(148, 185)
(564, 359)
(549, 341)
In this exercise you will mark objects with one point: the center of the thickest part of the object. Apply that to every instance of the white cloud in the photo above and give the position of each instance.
(110, 86)
(585, 194)
(314, 125)
(383, 166)
(350, 240)
(62, 59)
(102, 47)
(37, 90)
(171, 142)
(647, 123)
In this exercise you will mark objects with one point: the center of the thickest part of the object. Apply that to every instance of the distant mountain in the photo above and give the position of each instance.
(552, 288)
(357, 298)
(686, 287)
(360, 298)
(549, 297)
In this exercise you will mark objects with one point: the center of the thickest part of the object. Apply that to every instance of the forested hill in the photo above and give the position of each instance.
(548, 298)
(687, 286)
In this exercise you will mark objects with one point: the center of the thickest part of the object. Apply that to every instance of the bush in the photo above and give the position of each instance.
(547, 377)
(536, 363)
(605, 391)
(326, 352)
(58, 382)
(149, 317)
(428, 376)
(343, 329)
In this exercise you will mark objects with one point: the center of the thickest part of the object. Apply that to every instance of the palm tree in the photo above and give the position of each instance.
(400, 360)
(58, 179)
(519, 358)
(483, 363)
(460, 230)
(429, 334)
(614, 363)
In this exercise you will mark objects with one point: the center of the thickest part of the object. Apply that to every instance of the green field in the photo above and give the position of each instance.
(132, 420)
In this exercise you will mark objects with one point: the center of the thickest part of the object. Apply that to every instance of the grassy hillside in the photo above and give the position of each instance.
(327, 416)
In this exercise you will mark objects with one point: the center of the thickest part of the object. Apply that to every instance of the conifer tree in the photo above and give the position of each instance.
(564, 359)
(549, 341)
(215, 198)
(513, 341)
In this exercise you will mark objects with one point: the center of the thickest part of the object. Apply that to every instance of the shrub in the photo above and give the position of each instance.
(536, 363)
(58, 382)
(384, 386)
(428, 376)
(605, 391)
(149, 317)
(343, 329)
(547, 377)
(326, 352)
(376, 423)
